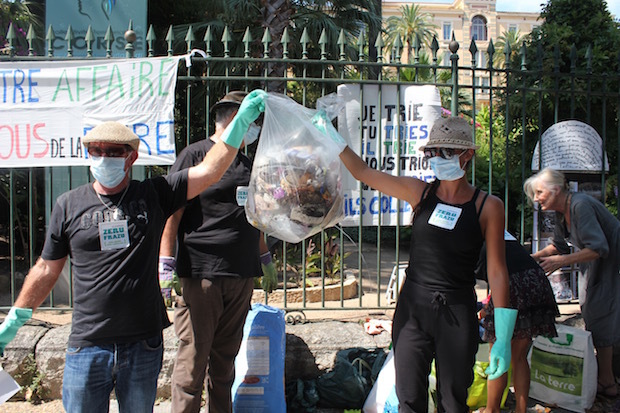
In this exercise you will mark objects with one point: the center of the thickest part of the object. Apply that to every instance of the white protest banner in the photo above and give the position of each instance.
(570, 146)
(46, 107)
(370, 123)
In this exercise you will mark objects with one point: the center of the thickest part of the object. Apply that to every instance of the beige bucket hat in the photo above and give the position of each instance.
(112, 132)
(451, 132)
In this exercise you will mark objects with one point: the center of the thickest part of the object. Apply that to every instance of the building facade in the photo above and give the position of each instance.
(468, 20)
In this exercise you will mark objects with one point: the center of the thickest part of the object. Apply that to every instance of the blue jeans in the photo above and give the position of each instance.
(131, 369)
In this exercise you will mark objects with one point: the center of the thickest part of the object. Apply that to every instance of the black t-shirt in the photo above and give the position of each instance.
(116, 297)
(517, 260)
(214, 237)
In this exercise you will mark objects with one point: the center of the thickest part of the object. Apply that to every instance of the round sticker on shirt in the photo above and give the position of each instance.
(242, 195)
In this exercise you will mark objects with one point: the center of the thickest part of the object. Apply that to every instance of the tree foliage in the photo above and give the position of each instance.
(21, 14)
(354, 17)
(256, 18)
(569, 58)
(512, 39)
(577, 43)
(583, 23)
(412, 24)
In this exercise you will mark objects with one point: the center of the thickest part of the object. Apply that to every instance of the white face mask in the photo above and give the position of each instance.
(252, 134)
(108, 171)
(447, 169)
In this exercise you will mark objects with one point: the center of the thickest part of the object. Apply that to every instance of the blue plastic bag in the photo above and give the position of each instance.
(391, 403)
(259, 366)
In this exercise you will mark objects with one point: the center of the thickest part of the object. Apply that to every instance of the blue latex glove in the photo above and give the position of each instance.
(322, 123)
(16, 318)
(499, 360)
(167, 278)
(269, 282)
(251, 108)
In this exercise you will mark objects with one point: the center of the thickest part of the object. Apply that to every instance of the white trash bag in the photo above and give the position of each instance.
(295, 188)
(563, 369)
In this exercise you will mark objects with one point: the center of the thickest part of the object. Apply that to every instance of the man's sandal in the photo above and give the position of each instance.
(607, 391)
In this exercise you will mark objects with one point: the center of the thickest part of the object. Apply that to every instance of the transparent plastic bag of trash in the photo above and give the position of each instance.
(295, 188)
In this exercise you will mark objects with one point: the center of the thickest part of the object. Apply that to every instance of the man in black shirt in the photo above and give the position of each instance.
(218, 254)
(111, 229)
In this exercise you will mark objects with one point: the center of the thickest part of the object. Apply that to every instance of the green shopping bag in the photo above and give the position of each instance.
(477, 393)
(477, 396)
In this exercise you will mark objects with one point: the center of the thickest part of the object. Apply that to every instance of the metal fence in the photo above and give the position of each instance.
(345, 268)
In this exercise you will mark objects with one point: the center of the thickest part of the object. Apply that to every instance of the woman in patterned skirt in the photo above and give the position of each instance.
(532, 296)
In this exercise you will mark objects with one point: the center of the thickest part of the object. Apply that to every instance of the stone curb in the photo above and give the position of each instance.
(39, 349)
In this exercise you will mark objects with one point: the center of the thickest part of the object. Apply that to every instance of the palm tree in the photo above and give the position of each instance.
(353, 16)
(412, 24)
(253, 17)
(425, 73)
(318, 17)
(512, 38)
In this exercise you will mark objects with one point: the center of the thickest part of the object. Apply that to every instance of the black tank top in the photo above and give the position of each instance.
(441, 258)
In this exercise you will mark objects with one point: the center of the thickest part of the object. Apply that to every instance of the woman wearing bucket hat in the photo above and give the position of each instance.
(435, 317)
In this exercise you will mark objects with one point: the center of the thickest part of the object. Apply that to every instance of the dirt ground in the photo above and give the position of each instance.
(54, 406)
(601, 404)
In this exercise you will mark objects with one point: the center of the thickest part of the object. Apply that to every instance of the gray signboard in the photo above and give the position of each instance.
(99, 14)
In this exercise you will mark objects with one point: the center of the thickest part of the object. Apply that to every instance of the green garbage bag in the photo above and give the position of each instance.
(347, 385)
(301, 396)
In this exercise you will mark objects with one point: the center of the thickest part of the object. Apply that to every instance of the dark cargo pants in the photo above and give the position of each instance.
(209, 324)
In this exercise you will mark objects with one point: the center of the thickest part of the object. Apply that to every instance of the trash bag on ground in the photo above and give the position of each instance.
(301, 396)
(347, 385)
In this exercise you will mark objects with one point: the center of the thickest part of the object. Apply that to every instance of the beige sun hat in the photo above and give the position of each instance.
(112, 132)
(230, 99)
(451, 132)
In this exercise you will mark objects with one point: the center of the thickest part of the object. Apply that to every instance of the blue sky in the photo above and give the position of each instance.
(531, 5)
(534, 5)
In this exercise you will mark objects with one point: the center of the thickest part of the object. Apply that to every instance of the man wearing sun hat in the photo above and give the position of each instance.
(111, 228)
(217, 255)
